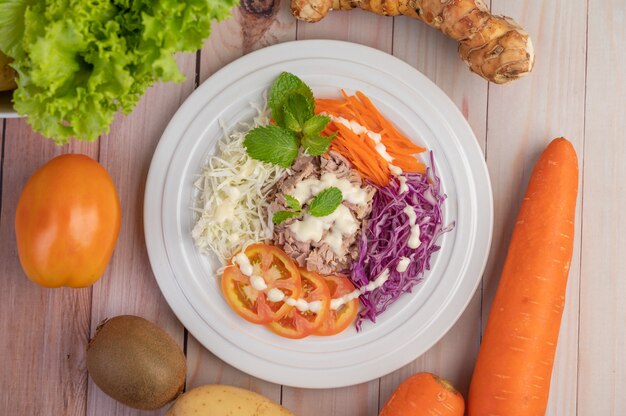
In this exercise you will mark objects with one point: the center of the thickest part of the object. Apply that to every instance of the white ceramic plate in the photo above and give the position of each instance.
(416, 321)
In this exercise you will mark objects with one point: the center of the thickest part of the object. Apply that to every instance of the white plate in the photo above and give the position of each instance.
(416, 321)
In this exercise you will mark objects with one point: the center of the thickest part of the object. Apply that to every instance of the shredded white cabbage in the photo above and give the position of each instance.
(232, 201)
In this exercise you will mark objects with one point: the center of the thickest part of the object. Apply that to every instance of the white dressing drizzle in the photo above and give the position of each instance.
(258, 283)
(308, 188)
(244, 264)
(379, 146)
(403, 264)
(331, 228)
(403, 186)
(277, 295)
(414, 237)
(357, 128)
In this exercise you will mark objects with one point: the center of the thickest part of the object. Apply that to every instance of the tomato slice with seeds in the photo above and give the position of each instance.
(341, 318)
(297, 324)
(277, 269)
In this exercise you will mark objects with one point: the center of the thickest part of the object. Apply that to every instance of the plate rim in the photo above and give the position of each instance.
(184, 116)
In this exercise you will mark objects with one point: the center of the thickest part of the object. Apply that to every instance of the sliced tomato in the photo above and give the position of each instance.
(296, 324)
(277, 269)
(339, 319)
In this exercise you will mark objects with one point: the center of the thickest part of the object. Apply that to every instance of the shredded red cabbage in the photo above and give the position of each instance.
(385, 240)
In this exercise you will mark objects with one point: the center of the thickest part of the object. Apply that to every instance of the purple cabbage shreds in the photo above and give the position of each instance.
(384, 241)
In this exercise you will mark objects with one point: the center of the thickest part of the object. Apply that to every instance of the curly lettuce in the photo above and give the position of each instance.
(80, 61)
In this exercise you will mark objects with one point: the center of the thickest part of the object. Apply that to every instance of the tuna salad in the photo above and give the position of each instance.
(323, 244)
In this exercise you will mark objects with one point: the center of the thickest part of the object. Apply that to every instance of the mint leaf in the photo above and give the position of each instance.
(325, 202)
(297, 112)
(285, 85)
(281, 216)
(316, 145)
(291, 122)
(272, 144)
(315, 125)
(293, 203)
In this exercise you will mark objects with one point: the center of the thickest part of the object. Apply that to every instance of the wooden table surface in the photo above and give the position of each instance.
(577, 90)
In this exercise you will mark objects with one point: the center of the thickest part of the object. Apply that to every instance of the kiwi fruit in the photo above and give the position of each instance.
(136, 362)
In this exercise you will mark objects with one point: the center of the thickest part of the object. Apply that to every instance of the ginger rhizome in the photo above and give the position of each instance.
(494, 47)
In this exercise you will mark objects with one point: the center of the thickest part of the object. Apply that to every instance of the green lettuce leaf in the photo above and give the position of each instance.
(12, 25)
(80, 61)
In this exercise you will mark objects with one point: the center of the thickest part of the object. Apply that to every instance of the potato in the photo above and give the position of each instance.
(7, 74)
(221, 400)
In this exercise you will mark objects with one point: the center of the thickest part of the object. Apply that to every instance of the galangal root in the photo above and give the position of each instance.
(494, 47)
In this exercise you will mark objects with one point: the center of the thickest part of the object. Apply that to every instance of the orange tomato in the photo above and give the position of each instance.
(67, 221)
(338, 319)
(277, 269)
(296, 324)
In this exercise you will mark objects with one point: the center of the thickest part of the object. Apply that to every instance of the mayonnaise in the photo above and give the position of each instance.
(277, 295)
(339, 223)
(224, 211)
(414, 237)
(403, 264)
(244, 263)
(360, 129)
(258, 283)
(308, 188)
(371, 286)
(403, 186)
(381, 149)
(395, 170)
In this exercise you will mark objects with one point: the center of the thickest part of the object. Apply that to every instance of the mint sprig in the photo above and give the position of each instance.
(297, 112)
(293, 203)
(293, 109)
(281, 216)
(326, 202)
(285, 85)
(272, 144)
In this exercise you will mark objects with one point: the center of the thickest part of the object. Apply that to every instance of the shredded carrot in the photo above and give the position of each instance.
(360, 149)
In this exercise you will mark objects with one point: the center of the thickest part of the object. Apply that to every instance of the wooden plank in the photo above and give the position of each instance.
(45, 331)
(355, 25)
(436, 56)
(522, 118)
(4, 126)
(254, 25)
(602, 366)
(129, 287)
(206, 368)
(375, 31)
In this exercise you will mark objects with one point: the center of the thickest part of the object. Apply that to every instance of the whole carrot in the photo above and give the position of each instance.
(512, 374)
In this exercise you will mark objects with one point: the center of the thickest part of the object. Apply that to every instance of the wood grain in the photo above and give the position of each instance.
(522, 118)
(254, 25)
(436, 56)
(128, 286)
(356, 26)
(602, 341)
(44, 331)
